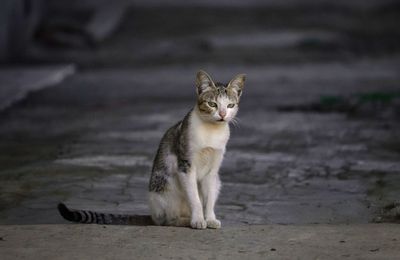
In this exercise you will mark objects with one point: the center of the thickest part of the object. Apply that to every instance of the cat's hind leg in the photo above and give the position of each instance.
(175, 211)
(178, 222)
(166, 209)
(157, 208)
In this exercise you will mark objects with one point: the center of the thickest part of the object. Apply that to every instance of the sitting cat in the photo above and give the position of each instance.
(184, 183)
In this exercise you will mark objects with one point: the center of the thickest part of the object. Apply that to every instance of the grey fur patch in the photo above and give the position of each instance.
(183, 165)
(175, 141)
(158, 182)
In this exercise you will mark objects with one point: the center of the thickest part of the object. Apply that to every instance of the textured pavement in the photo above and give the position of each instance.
(18, 81)
(251, 242)
(318, 133)
(90, 143)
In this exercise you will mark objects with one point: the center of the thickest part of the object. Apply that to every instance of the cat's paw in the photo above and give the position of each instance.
(198, 223)
(213, 223)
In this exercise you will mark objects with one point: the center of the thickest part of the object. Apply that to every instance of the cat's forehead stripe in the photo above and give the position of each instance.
(221, 88)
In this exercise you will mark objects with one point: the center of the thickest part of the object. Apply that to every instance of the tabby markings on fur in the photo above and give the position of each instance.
(184, 183)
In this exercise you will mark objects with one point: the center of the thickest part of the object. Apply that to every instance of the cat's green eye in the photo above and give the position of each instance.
(212, 104)
(231, 105)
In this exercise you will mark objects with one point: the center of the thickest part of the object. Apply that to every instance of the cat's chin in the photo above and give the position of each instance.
(221, 121)
(216, 121)
(212, 120)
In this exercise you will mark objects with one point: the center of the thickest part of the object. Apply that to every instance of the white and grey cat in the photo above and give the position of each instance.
(184, 183)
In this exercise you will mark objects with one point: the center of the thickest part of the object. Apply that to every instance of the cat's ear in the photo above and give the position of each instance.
(237, 83)
(203, 81)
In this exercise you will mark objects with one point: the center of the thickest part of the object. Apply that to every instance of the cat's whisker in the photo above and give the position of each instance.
(235, 122)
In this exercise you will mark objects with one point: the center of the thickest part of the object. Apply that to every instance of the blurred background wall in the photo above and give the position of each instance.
(215, 31)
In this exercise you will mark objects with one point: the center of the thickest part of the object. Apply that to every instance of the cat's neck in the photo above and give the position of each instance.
(207, 134)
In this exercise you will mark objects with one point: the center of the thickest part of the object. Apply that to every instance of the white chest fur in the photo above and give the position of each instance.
(207, 135)
(207, 143)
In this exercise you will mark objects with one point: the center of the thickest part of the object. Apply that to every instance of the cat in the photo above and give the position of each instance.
(184, 183)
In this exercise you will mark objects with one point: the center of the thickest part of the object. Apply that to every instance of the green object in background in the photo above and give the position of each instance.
(382, 97)
(378, 97)
(331, 100)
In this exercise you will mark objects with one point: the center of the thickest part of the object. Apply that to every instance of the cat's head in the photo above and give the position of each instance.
(217, 102)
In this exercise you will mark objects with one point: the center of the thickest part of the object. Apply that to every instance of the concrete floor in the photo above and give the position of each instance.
(94, 149)
(18, 81)
(317, 142)
(251, 242)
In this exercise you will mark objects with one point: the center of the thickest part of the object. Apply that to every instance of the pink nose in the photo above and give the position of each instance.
(222, 114)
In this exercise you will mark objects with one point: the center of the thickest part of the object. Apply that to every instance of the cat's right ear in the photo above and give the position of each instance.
(203, 82)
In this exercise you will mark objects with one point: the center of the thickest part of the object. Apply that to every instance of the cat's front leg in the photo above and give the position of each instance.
(210, 186)
(189, 185)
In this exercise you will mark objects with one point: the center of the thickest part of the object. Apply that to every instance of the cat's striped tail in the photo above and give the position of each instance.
(90, 217)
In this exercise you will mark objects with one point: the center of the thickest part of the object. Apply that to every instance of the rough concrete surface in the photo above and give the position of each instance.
(94, 149)
(318, 139)
(17, 82)
(369, 241)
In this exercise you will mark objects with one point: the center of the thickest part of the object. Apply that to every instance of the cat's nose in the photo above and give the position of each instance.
(222, 114)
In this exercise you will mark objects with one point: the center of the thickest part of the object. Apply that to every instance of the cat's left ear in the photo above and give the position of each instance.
(237, 83)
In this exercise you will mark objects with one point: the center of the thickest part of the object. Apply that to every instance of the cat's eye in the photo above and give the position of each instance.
(212, 104)
(231, 105)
